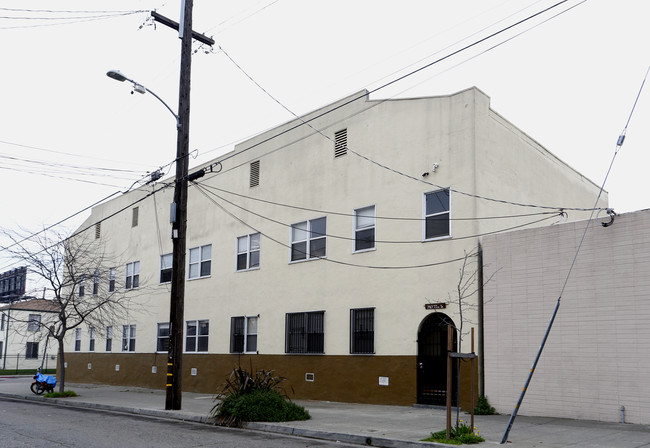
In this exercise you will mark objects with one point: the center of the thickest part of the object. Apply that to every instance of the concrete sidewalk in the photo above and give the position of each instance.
(374, 425)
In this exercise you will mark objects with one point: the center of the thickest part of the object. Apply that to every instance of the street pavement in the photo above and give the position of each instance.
(371, 425)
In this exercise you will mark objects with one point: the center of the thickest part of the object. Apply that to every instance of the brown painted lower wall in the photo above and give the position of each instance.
(336, 378)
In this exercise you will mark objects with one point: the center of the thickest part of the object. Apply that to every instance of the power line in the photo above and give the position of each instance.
(308, 121)
(398, 218)
(330, 260)
(619, 144)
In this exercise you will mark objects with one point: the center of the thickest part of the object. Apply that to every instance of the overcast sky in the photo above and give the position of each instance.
(71, 136)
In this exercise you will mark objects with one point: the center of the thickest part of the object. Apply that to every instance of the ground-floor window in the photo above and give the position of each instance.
(31, 350)
(362, 331)
(197, 334)
(243, 334)
(305, 332)
(128, 338)
(162, 340)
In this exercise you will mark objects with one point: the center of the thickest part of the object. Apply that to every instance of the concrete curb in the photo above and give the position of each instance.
(254, 426)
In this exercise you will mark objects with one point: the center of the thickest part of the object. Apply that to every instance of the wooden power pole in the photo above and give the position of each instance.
(178, 213)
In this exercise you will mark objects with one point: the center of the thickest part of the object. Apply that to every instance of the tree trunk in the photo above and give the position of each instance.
(61, 366)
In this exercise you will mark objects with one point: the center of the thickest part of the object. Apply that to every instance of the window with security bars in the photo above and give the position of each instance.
(308, 239)
(436, 214)
(305, 332)
(340, 143)
(255, 174)
(362, 331)
(243, 334)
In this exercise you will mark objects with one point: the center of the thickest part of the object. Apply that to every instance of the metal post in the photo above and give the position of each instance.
(450, 348)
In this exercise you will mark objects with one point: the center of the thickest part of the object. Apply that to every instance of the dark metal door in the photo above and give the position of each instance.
(432, 361)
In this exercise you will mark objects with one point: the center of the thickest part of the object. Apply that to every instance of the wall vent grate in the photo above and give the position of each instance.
(340, 143)
(255, 173)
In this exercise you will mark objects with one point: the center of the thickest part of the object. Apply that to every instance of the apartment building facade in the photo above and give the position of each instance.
(329, 249)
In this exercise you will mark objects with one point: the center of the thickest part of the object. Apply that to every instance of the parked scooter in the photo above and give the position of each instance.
(43, 383)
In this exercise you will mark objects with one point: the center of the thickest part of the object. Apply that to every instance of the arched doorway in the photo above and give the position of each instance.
(432, 360)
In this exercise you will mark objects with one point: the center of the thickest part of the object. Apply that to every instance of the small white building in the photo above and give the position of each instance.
(328, 249)
(23, 339)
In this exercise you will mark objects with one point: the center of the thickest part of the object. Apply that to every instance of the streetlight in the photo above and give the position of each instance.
(137, 87)
(178, 218)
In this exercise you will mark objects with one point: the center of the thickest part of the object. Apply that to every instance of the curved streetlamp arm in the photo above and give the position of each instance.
(118, 76)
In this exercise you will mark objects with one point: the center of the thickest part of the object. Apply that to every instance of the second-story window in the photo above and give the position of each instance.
(436, 214)
(364, 228)
(248, 252)
(166, 268)
(132, 275)
(111, 280)
(308, 239)
(34, 322)
(200, 261)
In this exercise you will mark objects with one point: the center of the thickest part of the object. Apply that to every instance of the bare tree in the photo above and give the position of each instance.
(79, 276)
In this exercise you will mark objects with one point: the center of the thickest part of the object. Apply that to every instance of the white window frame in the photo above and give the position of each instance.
(128, 338)
(247, 332)
(111, 279)
(248, 251)
(308, 239)
(91, 339)
(132, 278)
(159, 338)
(108, 347)
(197, 335)
(82, 286)
(77, 339)
(166, 263)
(363, 213)
(425, 215)
(199, 263)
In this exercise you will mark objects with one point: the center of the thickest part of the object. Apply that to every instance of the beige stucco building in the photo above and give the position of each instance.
(319, 247)
(595, 361)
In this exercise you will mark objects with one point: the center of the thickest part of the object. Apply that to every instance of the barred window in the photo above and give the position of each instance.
(305, 332)
(362, 331)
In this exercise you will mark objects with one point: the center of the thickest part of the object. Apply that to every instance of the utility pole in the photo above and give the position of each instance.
(178, 212)
(178, 217)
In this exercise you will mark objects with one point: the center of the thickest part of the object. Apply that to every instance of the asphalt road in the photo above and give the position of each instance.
(31, 425)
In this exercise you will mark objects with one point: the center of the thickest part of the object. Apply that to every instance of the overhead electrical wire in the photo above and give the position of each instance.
(330, 260)
(397, 218)
(382, 241)
(381, 165)
(619, 144)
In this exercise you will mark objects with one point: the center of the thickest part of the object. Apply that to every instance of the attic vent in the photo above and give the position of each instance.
(255, 173)
(98, 230)
(340, 143)
(134, 216)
